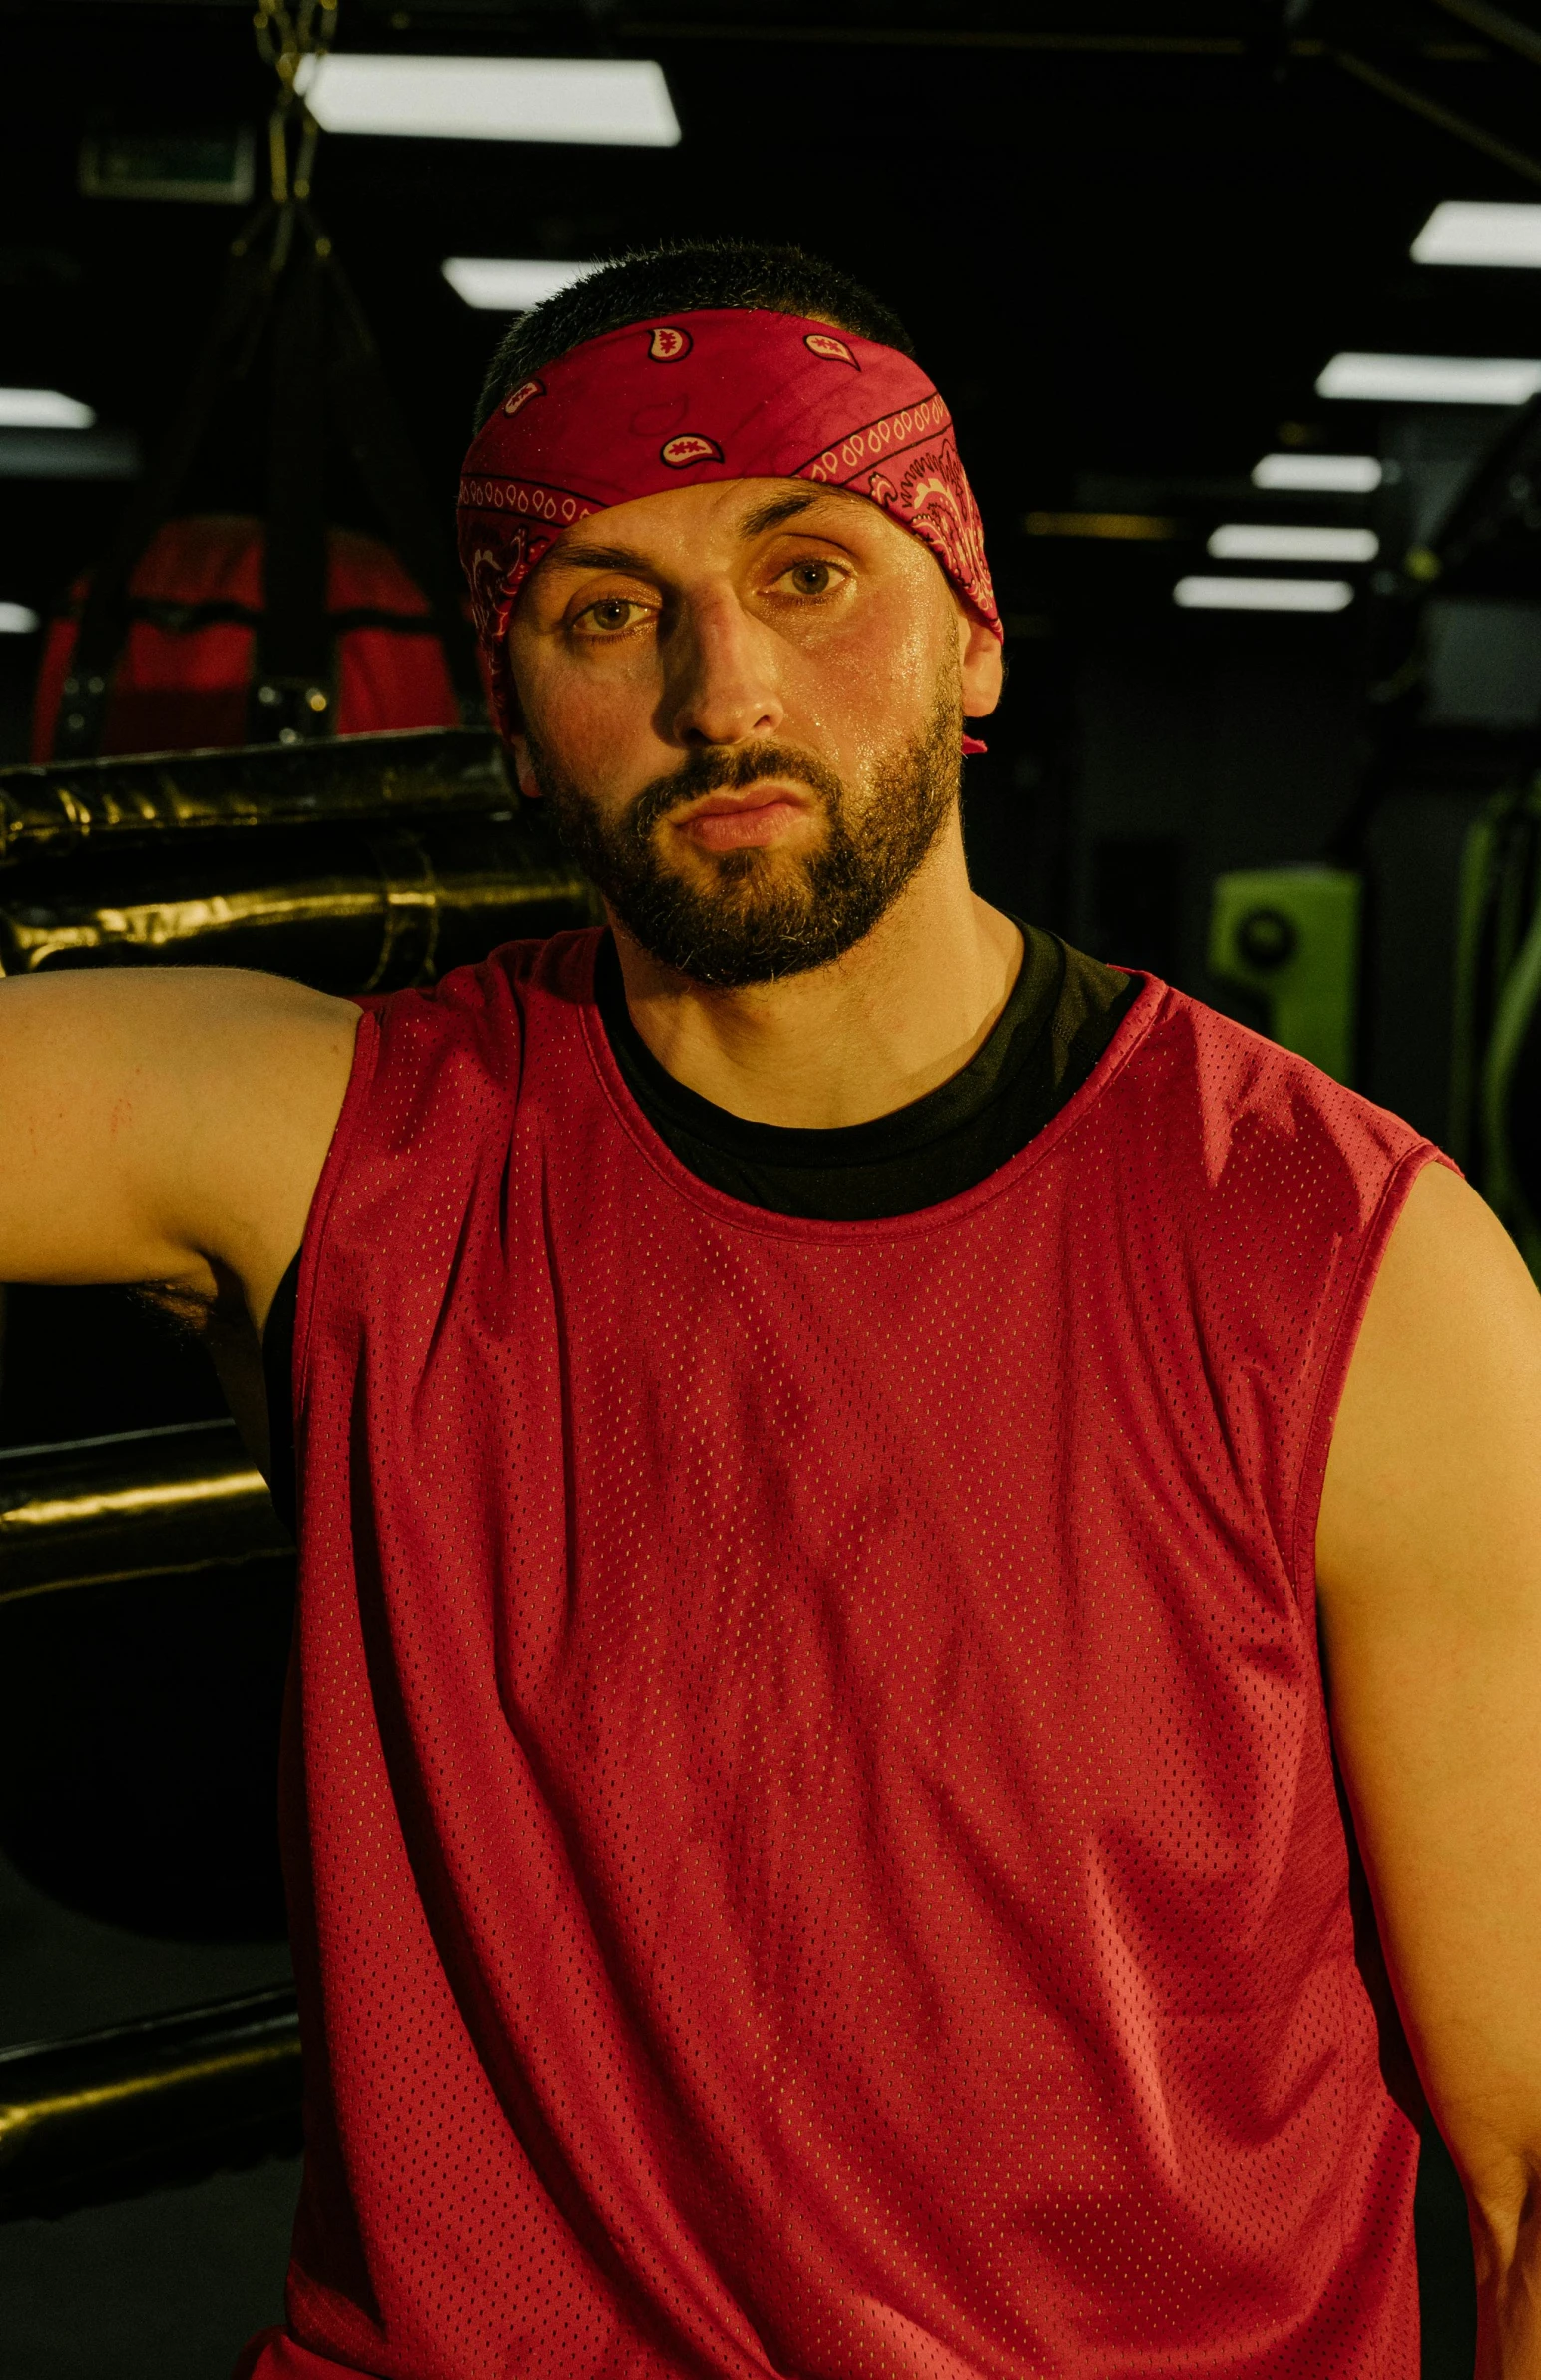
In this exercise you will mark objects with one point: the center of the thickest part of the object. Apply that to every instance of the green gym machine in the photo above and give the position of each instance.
(1291, 936)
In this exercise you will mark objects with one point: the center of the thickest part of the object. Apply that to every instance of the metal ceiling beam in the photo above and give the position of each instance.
(1497, 24)
(951, 36)
(1418, 102)
(940, 37)
(1069, 42)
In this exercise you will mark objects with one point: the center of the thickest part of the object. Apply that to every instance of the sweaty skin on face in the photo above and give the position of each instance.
(733, 679)
(740, 611)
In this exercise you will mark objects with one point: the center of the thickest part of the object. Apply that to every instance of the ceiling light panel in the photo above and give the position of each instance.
(1262, 595)
(1480, 231)
(1318, 474)
(42, 409)
(620, 102)
(508, 284)
(68, 454)
(1286, 541)
(1432, 379)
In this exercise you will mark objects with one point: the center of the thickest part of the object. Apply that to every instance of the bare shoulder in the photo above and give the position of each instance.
(165, 1124)
(149, 1010)
(1435, 1468)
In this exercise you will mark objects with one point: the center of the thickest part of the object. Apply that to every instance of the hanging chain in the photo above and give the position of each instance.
(288, 33)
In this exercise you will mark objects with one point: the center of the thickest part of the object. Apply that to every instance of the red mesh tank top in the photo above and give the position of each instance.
(810, 1811)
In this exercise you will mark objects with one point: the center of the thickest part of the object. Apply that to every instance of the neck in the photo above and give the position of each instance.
(873, 1030)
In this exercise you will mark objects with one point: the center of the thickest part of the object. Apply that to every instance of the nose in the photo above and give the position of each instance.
(721, 682)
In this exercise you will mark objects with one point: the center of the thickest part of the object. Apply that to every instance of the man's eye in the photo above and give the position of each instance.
(812, 577)
(611, 614)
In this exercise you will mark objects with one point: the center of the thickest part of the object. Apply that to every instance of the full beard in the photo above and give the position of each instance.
(765, 914)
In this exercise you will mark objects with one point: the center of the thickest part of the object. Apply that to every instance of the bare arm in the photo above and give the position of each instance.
(165, 1126)
(1429, 1573)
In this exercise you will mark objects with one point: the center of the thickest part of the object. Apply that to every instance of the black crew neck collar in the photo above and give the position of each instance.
(1011, 1041)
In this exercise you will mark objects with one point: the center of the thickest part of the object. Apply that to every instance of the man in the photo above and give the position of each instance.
(826, 1425)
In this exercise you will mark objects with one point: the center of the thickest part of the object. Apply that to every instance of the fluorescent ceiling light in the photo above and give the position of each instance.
(17, 620)
(42, 409)
(1262, 595)
(1320, 474)
(508, 284)
(69, 454)
(1480, 231)
(1432, 379)
(623, 101)
(1284, 541)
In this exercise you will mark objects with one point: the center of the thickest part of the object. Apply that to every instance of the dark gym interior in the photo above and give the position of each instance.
(1206, 285)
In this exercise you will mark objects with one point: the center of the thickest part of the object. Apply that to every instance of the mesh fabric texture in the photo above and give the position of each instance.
(810, 1812)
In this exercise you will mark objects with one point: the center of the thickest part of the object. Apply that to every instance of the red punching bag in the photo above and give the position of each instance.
(187, 673)
(223, 630)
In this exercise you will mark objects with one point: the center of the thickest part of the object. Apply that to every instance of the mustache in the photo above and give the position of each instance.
(720, 769)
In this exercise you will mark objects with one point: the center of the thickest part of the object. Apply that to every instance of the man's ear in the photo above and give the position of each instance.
(518, 742)
(525, 777)
(983, 670)
(524, 774)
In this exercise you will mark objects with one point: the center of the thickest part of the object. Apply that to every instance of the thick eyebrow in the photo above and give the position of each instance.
(584, 557)
(779, 510)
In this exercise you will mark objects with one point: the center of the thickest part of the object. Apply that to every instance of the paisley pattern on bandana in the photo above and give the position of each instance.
(748, 395)
(931, 496)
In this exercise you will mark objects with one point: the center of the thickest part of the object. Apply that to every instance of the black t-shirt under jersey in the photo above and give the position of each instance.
(1063, 1011)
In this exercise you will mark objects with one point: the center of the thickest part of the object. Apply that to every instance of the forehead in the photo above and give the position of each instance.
(723, 513)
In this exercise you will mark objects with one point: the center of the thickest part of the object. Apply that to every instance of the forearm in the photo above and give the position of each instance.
(1429, 1592)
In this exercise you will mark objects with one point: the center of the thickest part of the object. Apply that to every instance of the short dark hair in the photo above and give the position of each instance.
(676, 279)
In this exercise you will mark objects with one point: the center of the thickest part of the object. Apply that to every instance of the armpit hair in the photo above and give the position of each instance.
(223, 1328)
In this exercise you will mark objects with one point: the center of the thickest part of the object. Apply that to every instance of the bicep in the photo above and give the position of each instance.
(157, 1123)
(1429, 1584)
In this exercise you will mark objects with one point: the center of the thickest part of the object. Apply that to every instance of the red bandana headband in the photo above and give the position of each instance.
(728, 393)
